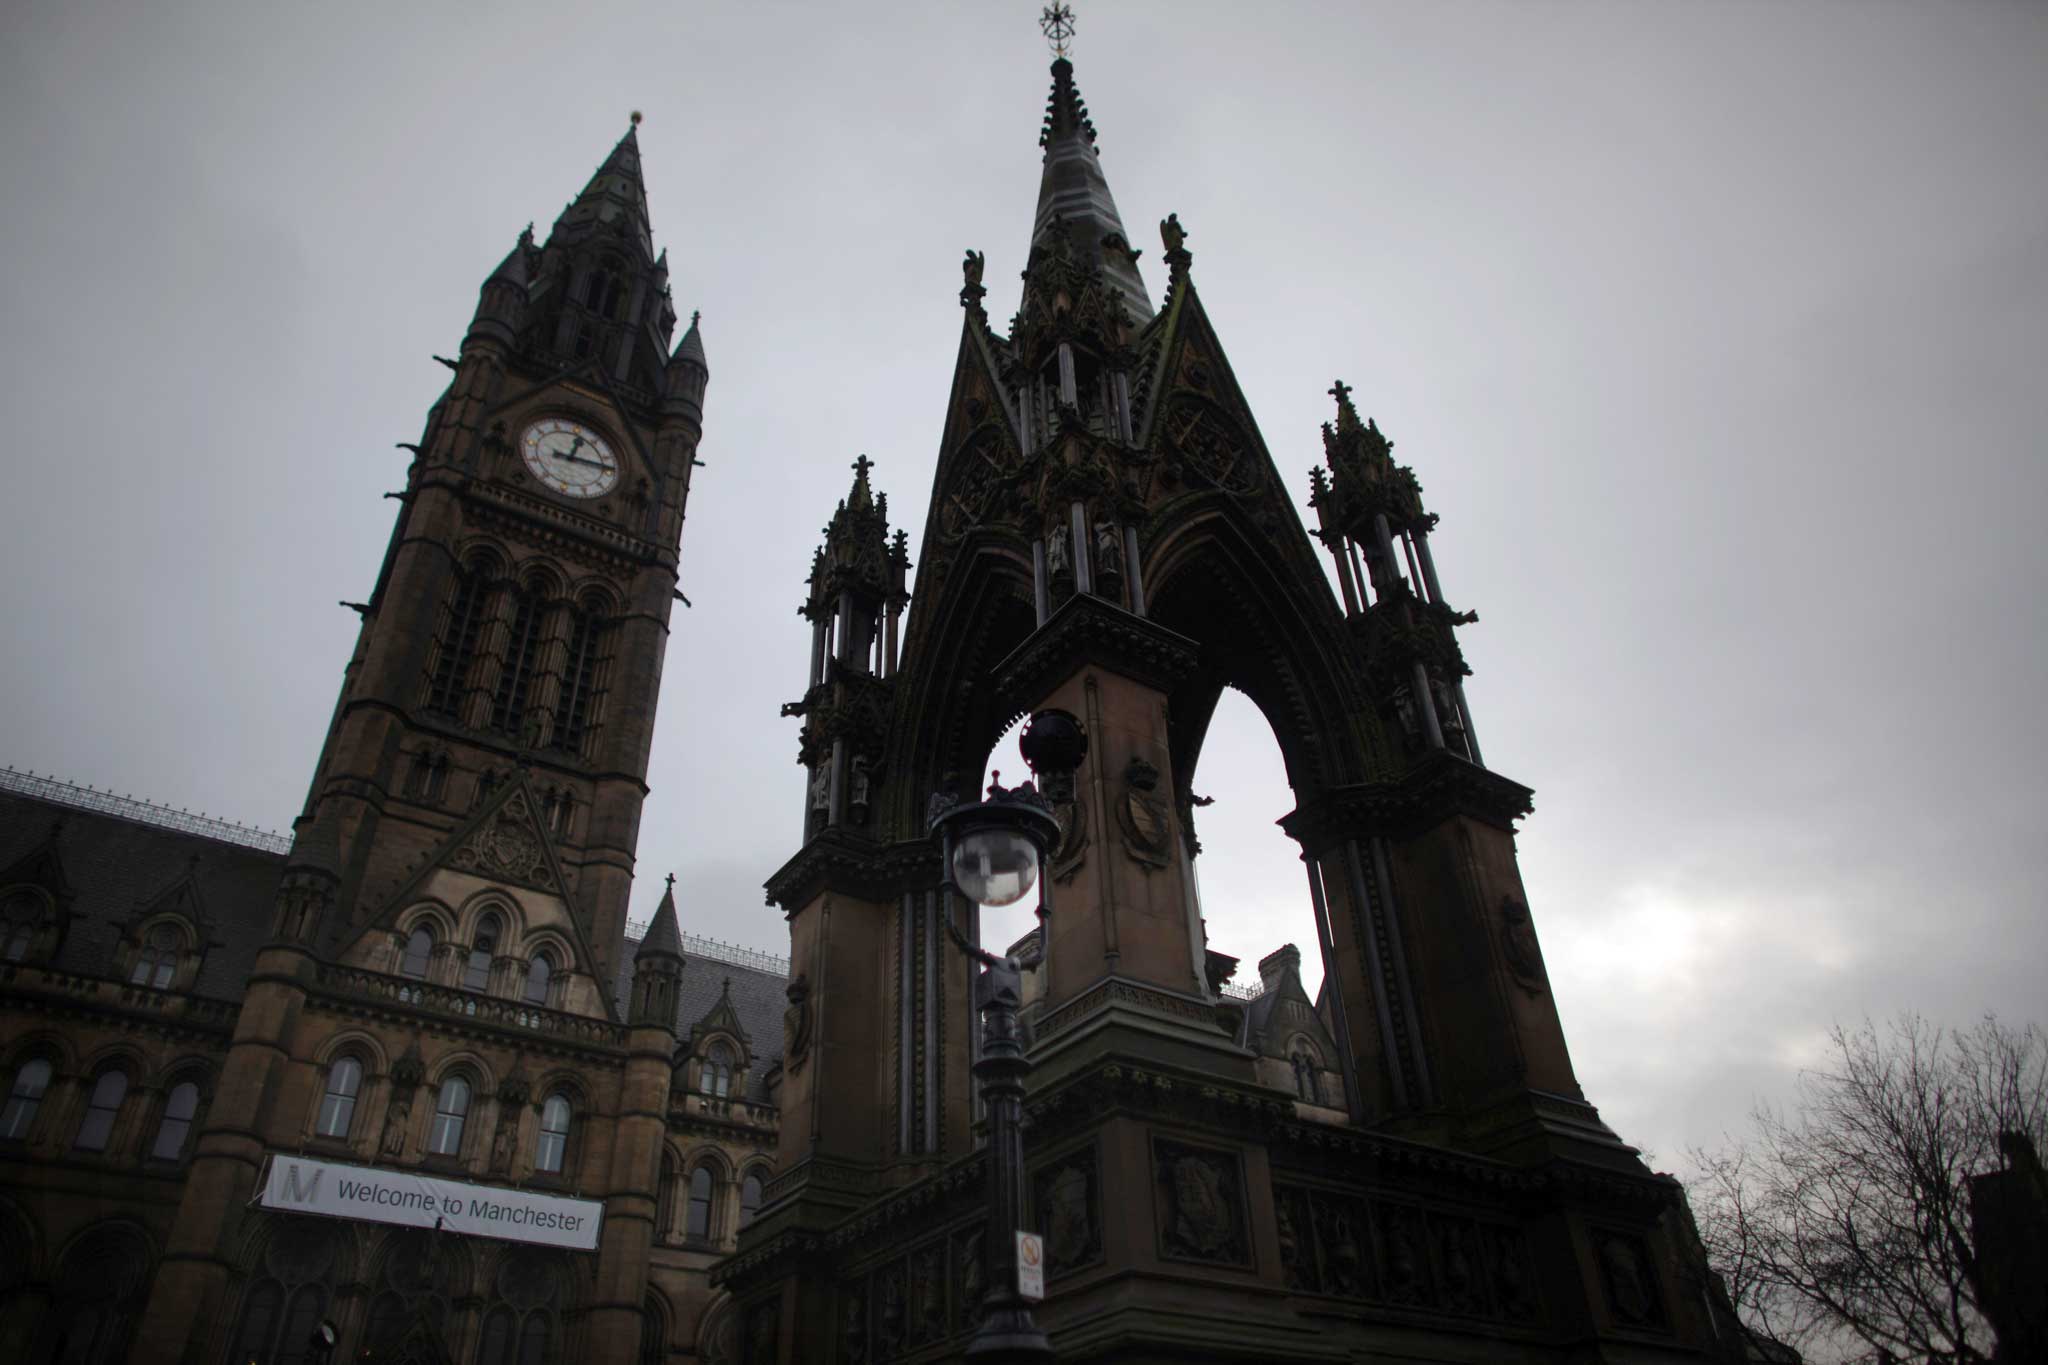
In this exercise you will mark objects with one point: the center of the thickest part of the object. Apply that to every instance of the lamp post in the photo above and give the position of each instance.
(992, 852)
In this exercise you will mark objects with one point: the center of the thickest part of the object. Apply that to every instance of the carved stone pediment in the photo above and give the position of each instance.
(508, 845)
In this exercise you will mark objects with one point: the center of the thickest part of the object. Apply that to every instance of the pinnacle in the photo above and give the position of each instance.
(1077, 216)
(663, 935)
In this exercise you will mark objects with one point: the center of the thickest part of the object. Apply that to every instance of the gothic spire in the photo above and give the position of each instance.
(616, 197)
(1076, 215)
(663, 934)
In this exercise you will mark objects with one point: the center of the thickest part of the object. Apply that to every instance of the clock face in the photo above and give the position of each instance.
(570, 458)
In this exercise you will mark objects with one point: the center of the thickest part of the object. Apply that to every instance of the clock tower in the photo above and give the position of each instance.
(497, 712)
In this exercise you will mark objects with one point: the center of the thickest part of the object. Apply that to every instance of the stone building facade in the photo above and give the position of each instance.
(434, 977)
(435, 974)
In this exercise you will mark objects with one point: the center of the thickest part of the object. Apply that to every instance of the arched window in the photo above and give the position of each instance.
(338, 1102)
(717, 1077)
(460, 630)
(515, 675)
(157, 963)
(179, 1110)
(477, 975)
(750, 1198)
(451, 1111)
(554, 1134)
(285, 1305)
(537, 973)
(574, 704)
(101, 1110)
(419, 951)
(18, 925)
(698, 1228)
(653, 1333)
(665, 1201)
(24, 1098)
(1307, 1073)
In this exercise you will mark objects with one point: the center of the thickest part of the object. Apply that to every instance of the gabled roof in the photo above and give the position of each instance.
(115, 867)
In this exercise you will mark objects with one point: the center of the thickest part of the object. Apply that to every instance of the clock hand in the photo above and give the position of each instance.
(578, 459)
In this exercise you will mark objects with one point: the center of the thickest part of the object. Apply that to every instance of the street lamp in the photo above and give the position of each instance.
(993, 852)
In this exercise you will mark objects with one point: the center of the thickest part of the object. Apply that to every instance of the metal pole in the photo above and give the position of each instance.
(1007, 1331)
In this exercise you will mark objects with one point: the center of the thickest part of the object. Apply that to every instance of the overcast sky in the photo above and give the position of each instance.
(1717, 334)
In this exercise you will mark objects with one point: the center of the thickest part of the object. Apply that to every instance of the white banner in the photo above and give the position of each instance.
(371, 1194)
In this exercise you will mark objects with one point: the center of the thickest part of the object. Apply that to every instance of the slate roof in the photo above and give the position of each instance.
(118, 867)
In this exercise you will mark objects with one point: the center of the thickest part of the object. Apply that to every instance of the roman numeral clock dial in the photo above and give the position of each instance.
(570, 458)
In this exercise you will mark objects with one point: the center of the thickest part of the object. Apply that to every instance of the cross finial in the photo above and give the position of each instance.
(671, 881)
(694, 315)
(1340, 391)
(1057, 24)
(862, 466)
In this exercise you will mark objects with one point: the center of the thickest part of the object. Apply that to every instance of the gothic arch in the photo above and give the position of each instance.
(54, 1048)
(359, 1042)
(435, 914)
(983, 608)
(98, 1283)
(1269, 631)
(483, 902)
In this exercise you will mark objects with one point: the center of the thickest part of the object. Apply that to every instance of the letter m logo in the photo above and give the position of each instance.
(294, 1191)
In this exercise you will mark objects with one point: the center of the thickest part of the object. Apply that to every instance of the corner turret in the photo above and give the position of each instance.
(658, 968)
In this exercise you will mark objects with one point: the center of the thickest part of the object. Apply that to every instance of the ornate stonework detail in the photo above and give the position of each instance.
(796, 1025)
(967, 1256)
(1211, 449)
(1198, 1196)
(1072, 854)
(853, 1325)
(928, 1293)
(508, 845)
(892, 1310)
(1065, 1194)
(1518, 946)
(1146, 823)
(1629, 1279)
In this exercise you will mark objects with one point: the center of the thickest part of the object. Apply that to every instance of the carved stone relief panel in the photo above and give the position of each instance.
(1066, 1194)
(1198, 1196)
(972, 1286)
(1404, 1255)
(1349, 1246)
(853, 1325)
(1630, 1279)
(927, 1293)
(892, 1309)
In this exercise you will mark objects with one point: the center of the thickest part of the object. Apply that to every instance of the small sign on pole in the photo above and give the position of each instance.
(1030, 1266)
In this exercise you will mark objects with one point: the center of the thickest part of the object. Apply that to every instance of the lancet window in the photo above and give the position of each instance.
(451, 1114)
(157, 963)
(460, 631)
(24, 1098)
(515, 677)
(338, 1101)
(176, 1125)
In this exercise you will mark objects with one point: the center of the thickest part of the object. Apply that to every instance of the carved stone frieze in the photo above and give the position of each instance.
(1198, 1201)
(1066, 1195)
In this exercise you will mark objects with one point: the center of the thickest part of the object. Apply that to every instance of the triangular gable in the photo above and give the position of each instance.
(42, 866)
(722, 1018)
(181, 898)
(505, 841)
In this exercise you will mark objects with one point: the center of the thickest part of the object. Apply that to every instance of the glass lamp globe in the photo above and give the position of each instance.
(995, 866)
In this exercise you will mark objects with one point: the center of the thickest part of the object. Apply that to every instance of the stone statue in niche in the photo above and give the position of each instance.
(1403, 1263)
(1109, 551)
(930, 1282)
(397, 1117)
(859, 784)
(501, 1146)
(821, 788)
(1058, 561)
